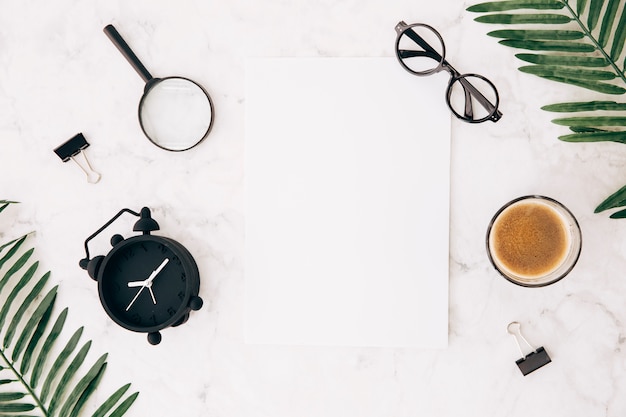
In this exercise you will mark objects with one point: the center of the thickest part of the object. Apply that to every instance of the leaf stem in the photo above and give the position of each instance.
(596, 43)
(19, 376)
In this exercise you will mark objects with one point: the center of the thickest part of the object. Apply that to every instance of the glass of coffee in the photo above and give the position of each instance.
(533, 241)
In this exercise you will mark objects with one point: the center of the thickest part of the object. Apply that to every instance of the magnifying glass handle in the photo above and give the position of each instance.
(130, 56)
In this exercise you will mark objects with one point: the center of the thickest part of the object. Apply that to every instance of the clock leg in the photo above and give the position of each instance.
(154, 338)
(195, 303)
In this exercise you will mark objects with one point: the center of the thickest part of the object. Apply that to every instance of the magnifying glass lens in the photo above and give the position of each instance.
(176, 113)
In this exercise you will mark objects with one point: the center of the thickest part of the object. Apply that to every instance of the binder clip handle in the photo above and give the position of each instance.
(515, 329)
(73, 149)
(535, 359)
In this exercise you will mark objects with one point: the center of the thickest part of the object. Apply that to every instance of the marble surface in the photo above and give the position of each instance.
(59, 75)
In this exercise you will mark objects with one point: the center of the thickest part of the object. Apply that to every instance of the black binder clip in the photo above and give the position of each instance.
(71, 149)
(532, 361)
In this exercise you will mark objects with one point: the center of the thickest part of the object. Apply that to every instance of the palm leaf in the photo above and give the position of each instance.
(111, 401)
(28, 308)
(620, 36)
(124, 406)
(82, 385)
(553, 35)
(45, 349)
(12, 296)
(14, 242)
(4, 204)
(34, 341)
(592, 121)
(559, 71)
(16, 266)
(585, 106)
(41, 309)
(595, 136)
(619, 215)
(67, 376)
(58, 363)
(565, 60)
(617, 199)
(499, 6)
(91, 387)
(607, 22)
(510, 19)
(595, 7)
(589, 56)
(533, 45)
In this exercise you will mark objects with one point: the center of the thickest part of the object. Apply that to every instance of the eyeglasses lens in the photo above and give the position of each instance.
(420, 50)
(472, 98)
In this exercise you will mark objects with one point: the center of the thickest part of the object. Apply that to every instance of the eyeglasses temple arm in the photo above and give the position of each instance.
(481, 99)
(421, 42)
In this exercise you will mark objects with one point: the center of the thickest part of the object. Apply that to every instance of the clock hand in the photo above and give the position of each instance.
(152, 293)
(146, 283)
(156, 271)
(135, 298)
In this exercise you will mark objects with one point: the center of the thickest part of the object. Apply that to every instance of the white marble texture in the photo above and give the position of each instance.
(59, 75)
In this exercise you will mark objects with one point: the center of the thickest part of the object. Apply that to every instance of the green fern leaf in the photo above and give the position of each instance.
(585, 129)
(551, 35)
(584, 106)
(590, 85)
(595, 6)
(47, 301)
(617, 199)
(58, 363)
(499, 6)
(566, 60)
(12, 296)
(619, 37)
(16, 267)
(22, 309)
(47, 345)
(28, 313)
(82, 385)
(556, 71)
(602, 136)
(532, 45)
(87, 392)
(66, 377)
(592, 121)
(607, 22)
(34, 341)
(13, 250)
(124, 406)
(619, 215)
(110, 402)
(16, 407)
(11, 396)
(4, 204)
(510, 19)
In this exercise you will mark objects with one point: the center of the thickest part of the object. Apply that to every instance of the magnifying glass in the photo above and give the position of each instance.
(175, 113)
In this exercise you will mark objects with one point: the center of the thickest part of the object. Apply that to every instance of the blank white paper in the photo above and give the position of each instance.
(347, 189)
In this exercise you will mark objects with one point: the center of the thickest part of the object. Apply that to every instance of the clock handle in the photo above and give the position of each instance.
(85, 262)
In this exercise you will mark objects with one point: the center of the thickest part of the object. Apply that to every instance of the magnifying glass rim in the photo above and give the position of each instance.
(156, 81)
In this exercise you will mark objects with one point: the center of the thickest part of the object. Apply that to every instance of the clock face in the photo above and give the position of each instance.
(146, 281)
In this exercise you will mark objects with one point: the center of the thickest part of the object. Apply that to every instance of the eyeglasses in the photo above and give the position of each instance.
(471, 97)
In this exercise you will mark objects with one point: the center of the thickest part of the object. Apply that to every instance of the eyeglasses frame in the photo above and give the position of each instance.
(469, 89)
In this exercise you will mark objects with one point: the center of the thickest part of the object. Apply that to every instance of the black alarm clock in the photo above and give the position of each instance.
(146, 282)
